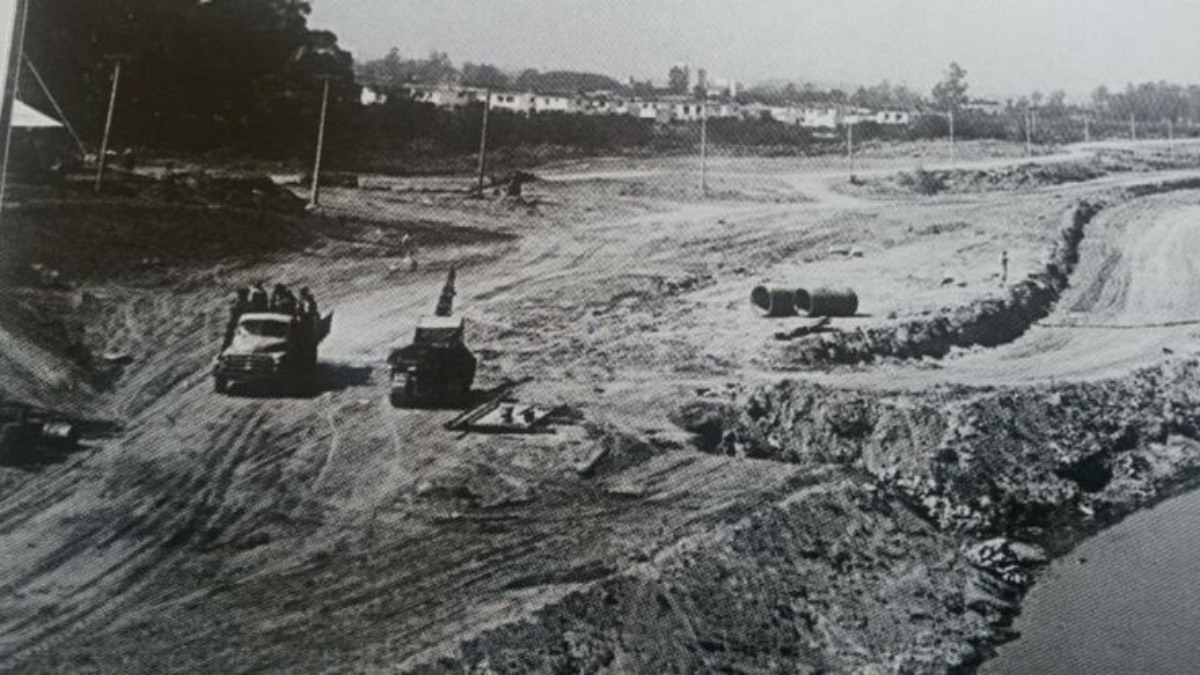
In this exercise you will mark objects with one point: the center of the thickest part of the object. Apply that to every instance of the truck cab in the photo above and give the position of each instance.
(271, 349)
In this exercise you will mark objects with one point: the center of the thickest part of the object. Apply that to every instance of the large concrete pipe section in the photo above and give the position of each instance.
(774, 301)
(827, 301)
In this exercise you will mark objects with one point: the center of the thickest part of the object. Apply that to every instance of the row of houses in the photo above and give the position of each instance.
(663, 109)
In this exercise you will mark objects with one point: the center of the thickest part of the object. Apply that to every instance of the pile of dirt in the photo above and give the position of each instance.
(1007, 179)
(256, 192)
(795, 588)
(1022, 463)
(1046, 466)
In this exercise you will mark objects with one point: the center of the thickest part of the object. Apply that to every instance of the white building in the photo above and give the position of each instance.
(819, 117)
(372, 96)
(644, 110)
(892, 117)
(445, 95)
(551, 103)
(518, 102)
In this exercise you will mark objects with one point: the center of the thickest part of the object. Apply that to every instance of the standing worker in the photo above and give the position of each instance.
(308, 304)
(282, 300)
(1004, 268)
(239, 306)
(408, 252)
(258, 300)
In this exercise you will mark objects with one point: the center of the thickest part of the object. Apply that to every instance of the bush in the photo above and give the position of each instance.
(924, 182)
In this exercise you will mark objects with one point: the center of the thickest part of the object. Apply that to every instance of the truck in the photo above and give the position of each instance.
(30, 435)
(271, 350)
(436, 369)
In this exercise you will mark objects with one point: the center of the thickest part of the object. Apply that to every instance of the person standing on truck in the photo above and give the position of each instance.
(308, 304)
(239, 306)
(257, 300)
(282, 300)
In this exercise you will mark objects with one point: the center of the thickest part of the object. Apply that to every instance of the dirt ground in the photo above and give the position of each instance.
(217, 533)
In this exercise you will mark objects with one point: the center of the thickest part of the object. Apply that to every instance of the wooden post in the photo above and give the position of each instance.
(704, 147)
(953, 154)
(8, 88)
(102, 161)
(487, 105)
(850, 147)
(1028, 133)
(314, 199)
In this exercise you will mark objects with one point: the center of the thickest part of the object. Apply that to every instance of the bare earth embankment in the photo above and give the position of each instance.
(703, 515)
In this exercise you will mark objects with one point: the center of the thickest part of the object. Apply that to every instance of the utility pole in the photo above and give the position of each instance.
(487, 105)
(314, 198)
(953, 153)
(1132, 128)
(8, 87)
(102, 161)
(850, 147)
(704, 146)
(1171, 138)
(1028, 133)
(1087, 132)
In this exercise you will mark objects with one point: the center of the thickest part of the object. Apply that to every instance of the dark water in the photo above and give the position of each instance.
(1132, 605)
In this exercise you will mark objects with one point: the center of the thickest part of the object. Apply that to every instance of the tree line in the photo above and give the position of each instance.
(244, 76)
(196, 74)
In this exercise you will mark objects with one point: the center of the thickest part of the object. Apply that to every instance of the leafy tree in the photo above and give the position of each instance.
(677, 80)
(1056, 103)
(484, 75)
(951, 93)
(197, 74)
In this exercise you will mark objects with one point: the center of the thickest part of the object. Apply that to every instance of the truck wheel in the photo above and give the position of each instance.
(397, 399)
(220, 385)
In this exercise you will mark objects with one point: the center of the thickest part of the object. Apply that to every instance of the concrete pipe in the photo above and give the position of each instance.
(774, 301)
(827, 301)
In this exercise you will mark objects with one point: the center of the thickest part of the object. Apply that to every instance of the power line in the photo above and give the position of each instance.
(57, 108)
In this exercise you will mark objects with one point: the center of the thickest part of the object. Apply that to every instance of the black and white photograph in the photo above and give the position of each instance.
(579, 337)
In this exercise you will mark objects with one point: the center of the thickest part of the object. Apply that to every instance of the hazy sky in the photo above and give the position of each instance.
(1007, 46)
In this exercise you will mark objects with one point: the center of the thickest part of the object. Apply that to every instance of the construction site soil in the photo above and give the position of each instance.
(731, 495)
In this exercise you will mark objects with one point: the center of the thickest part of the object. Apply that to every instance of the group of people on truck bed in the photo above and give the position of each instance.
(281, 300)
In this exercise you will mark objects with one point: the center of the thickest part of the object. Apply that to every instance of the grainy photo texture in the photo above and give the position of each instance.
(563, 336)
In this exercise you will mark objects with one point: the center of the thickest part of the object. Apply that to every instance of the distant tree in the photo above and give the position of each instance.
(1056, 103)
(528, 78)
(951, 93)
(643, 89)
(484, 75)
(677, 80)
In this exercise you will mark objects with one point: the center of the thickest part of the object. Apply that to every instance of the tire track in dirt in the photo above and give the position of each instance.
(152, 542)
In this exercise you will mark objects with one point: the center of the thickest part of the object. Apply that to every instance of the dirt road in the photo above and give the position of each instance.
(1134, 300)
